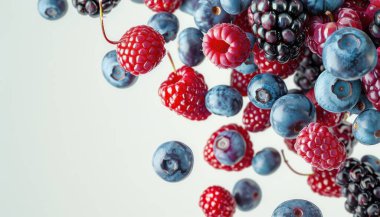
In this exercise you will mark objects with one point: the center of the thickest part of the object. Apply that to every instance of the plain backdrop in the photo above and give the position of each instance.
(73, 145)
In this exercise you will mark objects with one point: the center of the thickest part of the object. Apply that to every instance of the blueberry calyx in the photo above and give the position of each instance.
(263, 95)
(51, 12)
(118, 73)
(342, 89)
(349, 42)
(170, 164)
(216, 10)
(298, 212)
(377, 135)
(223, 143)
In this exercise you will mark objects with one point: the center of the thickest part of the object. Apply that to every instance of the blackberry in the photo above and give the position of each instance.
(307, 73)
(374, 28)
(91, 7)
(279, 27)
(361, 186)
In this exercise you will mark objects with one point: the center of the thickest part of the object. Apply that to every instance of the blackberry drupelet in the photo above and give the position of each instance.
(279, 27)
(374, 28)
(307, 73)
(91, 7)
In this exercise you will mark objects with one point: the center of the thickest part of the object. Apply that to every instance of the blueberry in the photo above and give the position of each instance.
(349, 54)
(266, 161)
(224, 100)
(166, 24)
(265, 89)
(248, 67)
(138, 1)
(336, 95)
(189, 6)
(321, 6)
(297, 208)
(361, 105)
(247, 194)
(366, 127)
(251, 38)
(235, 7)
(210, 13)
(114, 73)
(373, 161)
(190, 46)
(290, 114)
(173, 161)
(229, 147)
(52, 9)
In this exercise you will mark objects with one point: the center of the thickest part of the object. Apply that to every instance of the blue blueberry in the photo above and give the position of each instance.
(349, 54)
(297, 208)
(321, 6)
(248, 67)
(373, 161)
(224, 100)
(52, 9)
(265, 89)
(336, 95)
(114, 73)
(362, 105)
(173, 161)
(138, 1)
(210, 13)
(366, 127)
(290, 114)
(235, 7)
(190, 46)
(247, 194)
(166, 24)
(189, 6)
(251, 38)
(266, 161)
(229, 147)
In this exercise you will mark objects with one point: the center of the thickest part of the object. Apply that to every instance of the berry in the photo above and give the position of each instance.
(290, 144)
(229, 147)
(138, 1)
(266, 161)
(226, 45)
(290, 114)
(209, 14)
(52, 9)
(184, 92)
(224, 100)
(173, 161)
(308, 71)
(235, 7)
(190, 47)
(247, 194)
(140, 50)
(242, 21)
(366, 127)
(248, 66)
(349, 54)
(343, 131)
(371, 84)
(163, 5)
(374, 28)
(279, 27)
(255, 119)
(243, 163)
(189, 6)
(297, 208)
(166, 24)
(91, 7)
(321, 6)
(240, 81)
(114, 74)
(319, 147)
(362, 105)
(373, 161)
(323, 183)
(216, 201)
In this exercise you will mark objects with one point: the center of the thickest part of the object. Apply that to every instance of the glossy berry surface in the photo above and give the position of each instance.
(307, 73)
(290, 144)
(190, 46)
(209, 14)
(371, 84)
(362, 105)
(256, 119)
(163, 5)
(321, 6)
(216, 201)
(266, 161)
(243, 21)
(114, 74)
(248, 66)
(373, 161)
(374, 28)
(173, 161)
(166, 24)
(366, 127)
(189, 6)
(297, 208)
(91, 7)
(247, 194)
(140, 50)
(240, 81)
(235, 7)
(323, 183)
(224, 100)
(226, 45)
(229, 147)
(343, 132)
(52, 9)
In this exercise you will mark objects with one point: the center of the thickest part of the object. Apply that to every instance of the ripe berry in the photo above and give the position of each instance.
(163, 5)
(321, 6)
(229, 147)
(242, 21)
(297, 208)
(323, 183)
(166, 24)
(184, 92)
(240, 81)
(371, 84)
(373, 161)
(209, 14)
(235, 7)
(247, 194)
(91, 7)
(52, 9)
(216, 201)
(366, 127)
(189, 6)
(266, 161)
(224, 100)
(256, 119)
(290, 144)
(343, 131)
(190, 46)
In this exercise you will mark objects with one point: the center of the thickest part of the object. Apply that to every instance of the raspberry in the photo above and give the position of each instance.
(140, 50)
(290, 144)
(255, 119)
(242, 21)
(274, 67)
(323, 183)
(244, 163)
(319, 147)
(240, 81)
(91, 7)
(371, 84)
(163, 5)
(343, 131)
(226, 45)
(216, 201)
(184, 92)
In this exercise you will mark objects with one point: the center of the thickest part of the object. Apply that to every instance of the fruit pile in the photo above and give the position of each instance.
(329, 47)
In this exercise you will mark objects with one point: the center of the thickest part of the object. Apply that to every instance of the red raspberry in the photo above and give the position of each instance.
(209, 156)
(163, 5)
(240, 81)
(226, 45)
(140, 50)
(371, 84)
(216, 201)
(242, 21)
(290, 144)
(343, 132)
(323, 183)
(255, 119)
(184, 92)
(319, 147)
(274, 67)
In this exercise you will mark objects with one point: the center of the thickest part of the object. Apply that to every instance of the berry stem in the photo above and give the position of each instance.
(290, 167)
(172, 62)
(330, 15)
(102, 24)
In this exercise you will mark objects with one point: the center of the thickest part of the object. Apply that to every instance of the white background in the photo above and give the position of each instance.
(72, 145)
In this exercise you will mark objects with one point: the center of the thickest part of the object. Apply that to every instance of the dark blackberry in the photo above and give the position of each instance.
(91, 7)
(307, 73)
(374, 28)
(279, 27)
